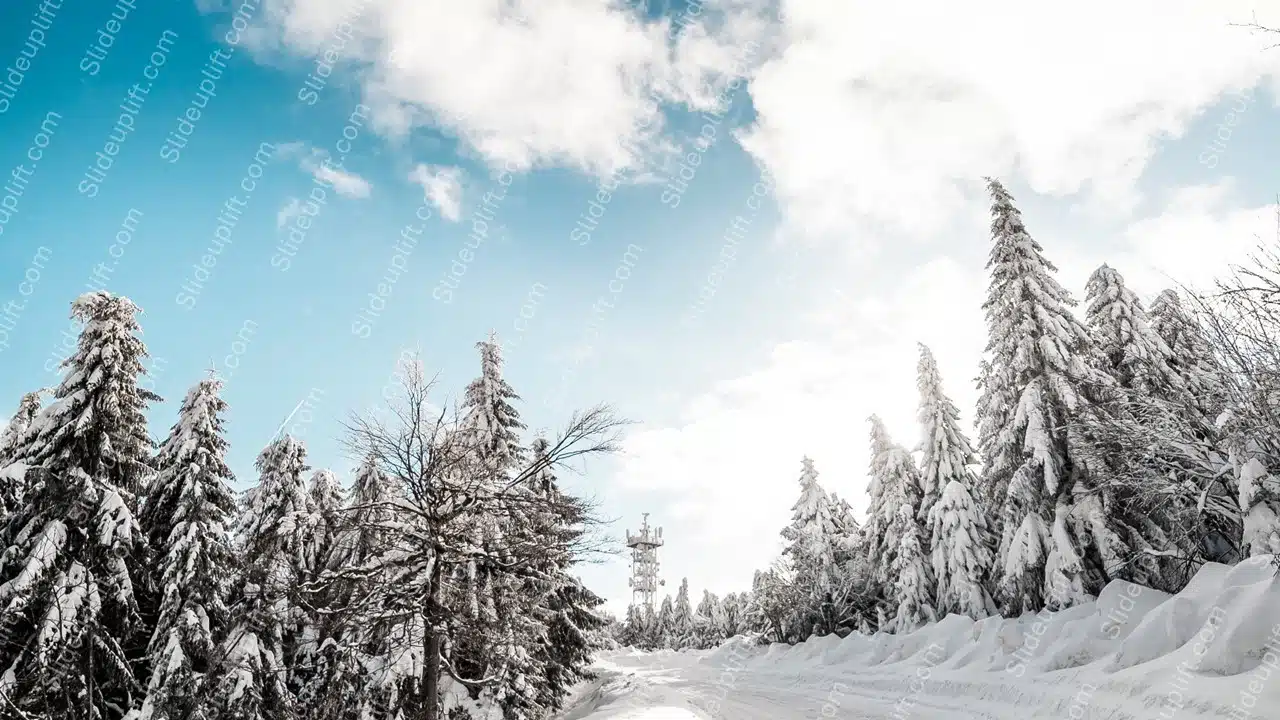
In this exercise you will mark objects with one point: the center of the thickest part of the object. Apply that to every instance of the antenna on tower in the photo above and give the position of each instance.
(644, 580)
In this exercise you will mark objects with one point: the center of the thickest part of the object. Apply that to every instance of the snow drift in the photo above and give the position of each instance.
(1209, 651)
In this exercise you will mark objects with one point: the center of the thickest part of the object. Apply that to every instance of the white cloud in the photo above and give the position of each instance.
(884, 113)
(1196, 239)
(290, 210)
(347, 184)
(442, 187)
(318, 164)
(870, 114)
(568, 82)
(294, 149)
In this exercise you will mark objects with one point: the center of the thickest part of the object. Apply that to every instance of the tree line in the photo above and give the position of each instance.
(1137, 443)
(135, 584)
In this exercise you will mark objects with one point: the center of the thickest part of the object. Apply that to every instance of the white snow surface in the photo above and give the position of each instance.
(1211, 651)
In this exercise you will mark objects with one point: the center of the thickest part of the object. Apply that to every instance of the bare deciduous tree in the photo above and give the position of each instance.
(418, 577)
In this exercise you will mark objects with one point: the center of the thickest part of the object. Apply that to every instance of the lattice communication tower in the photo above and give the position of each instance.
(644, 580)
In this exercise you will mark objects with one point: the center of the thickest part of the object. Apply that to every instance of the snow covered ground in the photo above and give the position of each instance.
(1211, 651)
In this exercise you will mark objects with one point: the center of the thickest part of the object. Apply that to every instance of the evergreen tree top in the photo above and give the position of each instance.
(195, 445)
(28, 408)
(808, 472)
(945, 451)
(1183, 335)
(1114, 311)
(371, 484)
(1020, 274)
(936, 407)
(894, 476)
(490, 414)
(1125, 345)
(813, 527)
(682, 595)
(198, 419)
(280, 492)
(1167, 306)
(325, 492)
(843, 513)
(96, 421)
(880, 443)
(544, 479)
(286, 454)
(808, 477)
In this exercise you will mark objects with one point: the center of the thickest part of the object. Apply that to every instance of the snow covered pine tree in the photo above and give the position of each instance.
(1031, 389)
(11, 488)
(813, 540)
(186, 515)
(253, 676)
(1139, 431)
(959, 538)
(71, 636)
(894, 485)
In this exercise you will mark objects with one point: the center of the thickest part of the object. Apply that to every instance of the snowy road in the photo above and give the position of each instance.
(681, 687)
(1211, 651)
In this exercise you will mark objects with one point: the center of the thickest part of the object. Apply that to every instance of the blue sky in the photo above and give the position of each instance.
(868, 235)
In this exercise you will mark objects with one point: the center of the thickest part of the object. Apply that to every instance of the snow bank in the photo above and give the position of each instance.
(1209, 650)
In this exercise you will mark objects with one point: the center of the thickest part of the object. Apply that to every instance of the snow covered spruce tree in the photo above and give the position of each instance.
(324, 504)
(71, 638)
(883, 500)
(11, 488)
(265, 618)
(740, 616)
(1260, 500)
(374, 500)
(1144, 438)
(682, 618)
(1190, 355)
(1032, 387)
(816, 543)
(1125, 345)
(503, 606)
(961, 557)
(28, 408)
(894, 482)
(812, 533)
(959, 537)
(186, 515)
(649, 635)
(709, 622)
(894, 537)
(848, 530)
(632, 627)
(433, 454)
(913, 586)
(490, 418)
(320, 530)
(1194, 421)
(358, 671)
(570, 615)
(771, 605)
(945, 451)
(664, 624)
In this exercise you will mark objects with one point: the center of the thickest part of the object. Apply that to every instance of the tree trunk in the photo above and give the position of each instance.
(431, 683)
(431, 641)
